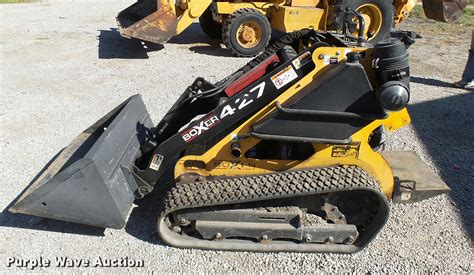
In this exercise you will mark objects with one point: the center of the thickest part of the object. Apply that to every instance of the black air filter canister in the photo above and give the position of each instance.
(392, 68)
(391, 61)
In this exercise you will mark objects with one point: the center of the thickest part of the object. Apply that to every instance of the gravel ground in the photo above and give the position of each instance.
(63, 67)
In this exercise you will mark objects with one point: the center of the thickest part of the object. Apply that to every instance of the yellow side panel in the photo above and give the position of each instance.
(230, 7)
(288, 19)
(219, 161)
(304, 3)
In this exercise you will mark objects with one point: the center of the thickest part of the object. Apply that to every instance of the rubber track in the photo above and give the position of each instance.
(267, 187)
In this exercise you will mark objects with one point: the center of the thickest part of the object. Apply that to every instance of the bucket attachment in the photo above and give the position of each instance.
(444, 10)
(88, 181)
(149, 20)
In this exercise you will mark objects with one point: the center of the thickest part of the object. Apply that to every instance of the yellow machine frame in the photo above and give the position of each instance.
(159, 21)
(219, 161)
(402, 9)
(284, 18)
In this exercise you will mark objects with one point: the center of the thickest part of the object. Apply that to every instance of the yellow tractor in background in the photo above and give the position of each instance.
(245, 27)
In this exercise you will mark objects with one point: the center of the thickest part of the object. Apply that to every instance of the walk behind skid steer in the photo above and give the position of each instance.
(245, 27)
(279, 156)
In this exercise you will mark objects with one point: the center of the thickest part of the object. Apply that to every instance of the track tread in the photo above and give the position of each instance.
(266, 187)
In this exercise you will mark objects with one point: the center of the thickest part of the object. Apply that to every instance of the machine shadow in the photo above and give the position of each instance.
(194, 35)
(211, 49)
(144, 216)
(444, 123)
(8, 219)
(431, 82)
(113, 46)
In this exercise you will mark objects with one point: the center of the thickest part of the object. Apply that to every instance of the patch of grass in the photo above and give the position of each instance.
(467, 19)
(416, 12)
(16, 1)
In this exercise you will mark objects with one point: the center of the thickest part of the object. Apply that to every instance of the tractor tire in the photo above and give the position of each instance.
(209, 26)
(246, 32)
(381, 14)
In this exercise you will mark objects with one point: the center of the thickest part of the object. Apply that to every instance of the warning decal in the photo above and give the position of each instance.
(349, 150)
(284, 77)
(301, 60)
(156, 162)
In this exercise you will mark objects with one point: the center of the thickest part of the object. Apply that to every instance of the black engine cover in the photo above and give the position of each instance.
(343, 89)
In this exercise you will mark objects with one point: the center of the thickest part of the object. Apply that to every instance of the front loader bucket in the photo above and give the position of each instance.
(88, 181)
(149, 20)
(444, 10)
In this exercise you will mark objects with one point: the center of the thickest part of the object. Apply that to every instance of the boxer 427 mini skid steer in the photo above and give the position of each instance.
(279, 156)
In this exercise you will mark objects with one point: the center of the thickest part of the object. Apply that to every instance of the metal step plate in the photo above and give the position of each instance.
(414, 179)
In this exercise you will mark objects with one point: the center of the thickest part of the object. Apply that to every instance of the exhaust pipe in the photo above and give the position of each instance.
(89, 181)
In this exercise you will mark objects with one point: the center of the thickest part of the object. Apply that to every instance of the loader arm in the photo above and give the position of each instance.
(215, 123)
(195, 8)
